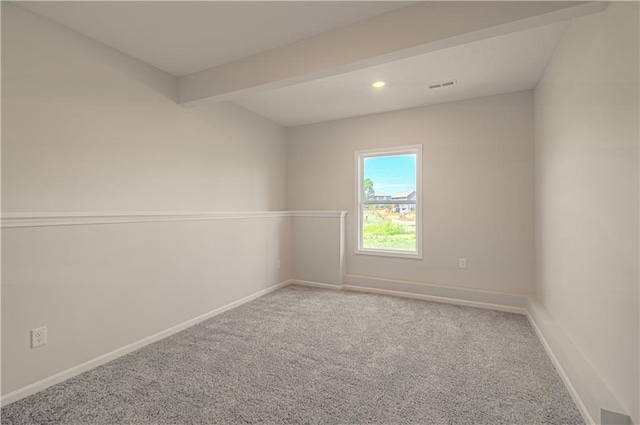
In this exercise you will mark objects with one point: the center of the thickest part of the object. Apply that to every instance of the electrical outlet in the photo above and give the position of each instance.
(278, 264)
(38, 336)
(462, 263)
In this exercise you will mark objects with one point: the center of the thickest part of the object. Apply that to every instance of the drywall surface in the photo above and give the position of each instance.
(319, 253)
(586, 156)
(86, 128)
(477, 183)
(98, 288)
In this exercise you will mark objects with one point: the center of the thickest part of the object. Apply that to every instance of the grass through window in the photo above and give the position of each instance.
(389, 231)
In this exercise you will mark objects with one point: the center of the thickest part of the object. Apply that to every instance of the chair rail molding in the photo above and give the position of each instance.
(40, 219)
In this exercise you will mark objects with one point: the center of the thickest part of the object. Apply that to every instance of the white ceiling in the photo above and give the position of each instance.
(183, 37)
(504, 64)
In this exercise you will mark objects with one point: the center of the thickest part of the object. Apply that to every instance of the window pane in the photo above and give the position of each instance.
(389, 226)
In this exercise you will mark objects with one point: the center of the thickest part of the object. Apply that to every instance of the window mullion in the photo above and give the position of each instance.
(388, 202)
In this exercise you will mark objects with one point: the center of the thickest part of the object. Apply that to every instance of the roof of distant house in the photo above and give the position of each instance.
(380, 194)
(403, 194)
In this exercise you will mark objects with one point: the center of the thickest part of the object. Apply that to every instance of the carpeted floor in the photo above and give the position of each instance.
(301, 355)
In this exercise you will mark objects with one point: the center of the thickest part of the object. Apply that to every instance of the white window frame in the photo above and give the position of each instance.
(360, 156)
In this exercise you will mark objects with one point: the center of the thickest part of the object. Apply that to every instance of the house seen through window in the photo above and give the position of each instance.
(389, 196)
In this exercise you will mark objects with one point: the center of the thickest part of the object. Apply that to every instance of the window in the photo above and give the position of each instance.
(388, 198)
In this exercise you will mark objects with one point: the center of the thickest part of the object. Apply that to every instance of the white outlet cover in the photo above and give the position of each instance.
(38, 336)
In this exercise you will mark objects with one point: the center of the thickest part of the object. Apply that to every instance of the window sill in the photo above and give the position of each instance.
(391, 254)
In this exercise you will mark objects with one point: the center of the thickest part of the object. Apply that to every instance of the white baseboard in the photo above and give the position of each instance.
(315, 284)
(503, 302)
(567, 382)
(510, 303)
(412, 295)
(105, 358)
(583, 383)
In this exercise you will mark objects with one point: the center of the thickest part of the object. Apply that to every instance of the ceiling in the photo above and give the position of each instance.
(504, 64)
(183, 37)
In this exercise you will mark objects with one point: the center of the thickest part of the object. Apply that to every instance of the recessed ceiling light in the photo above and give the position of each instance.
(378, 84)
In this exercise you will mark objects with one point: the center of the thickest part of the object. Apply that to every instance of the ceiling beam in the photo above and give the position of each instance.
(409, 31)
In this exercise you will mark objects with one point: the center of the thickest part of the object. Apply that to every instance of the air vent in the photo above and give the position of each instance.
(443, 84)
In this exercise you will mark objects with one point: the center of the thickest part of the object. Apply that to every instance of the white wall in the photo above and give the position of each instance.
(98, 288)
(586, 156)
(88, 129)
(319, 249)
(477, 183)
